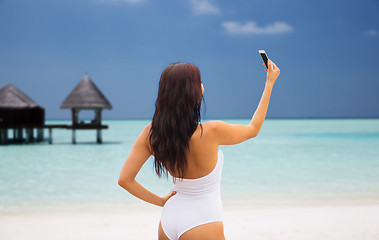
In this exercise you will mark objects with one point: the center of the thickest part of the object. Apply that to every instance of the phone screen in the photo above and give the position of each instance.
(264, 57)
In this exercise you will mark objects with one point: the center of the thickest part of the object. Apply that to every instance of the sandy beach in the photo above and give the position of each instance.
(313, 222)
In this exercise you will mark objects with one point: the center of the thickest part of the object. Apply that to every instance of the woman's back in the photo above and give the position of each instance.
(202, 153)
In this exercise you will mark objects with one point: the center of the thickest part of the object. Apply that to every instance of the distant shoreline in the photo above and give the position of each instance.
(210, 119)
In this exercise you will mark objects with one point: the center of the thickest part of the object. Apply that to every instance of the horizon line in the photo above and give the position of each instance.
(230, 118)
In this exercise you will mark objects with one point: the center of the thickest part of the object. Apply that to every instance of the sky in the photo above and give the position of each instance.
(327, 51)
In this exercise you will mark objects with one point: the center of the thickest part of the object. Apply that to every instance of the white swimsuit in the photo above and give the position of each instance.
(196, 202)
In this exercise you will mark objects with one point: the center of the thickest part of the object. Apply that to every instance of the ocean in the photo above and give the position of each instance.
(290, 163)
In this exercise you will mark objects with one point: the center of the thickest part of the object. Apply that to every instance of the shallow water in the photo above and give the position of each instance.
(291, 162)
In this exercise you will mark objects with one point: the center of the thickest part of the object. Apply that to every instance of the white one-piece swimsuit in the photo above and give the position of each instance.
(196, 202)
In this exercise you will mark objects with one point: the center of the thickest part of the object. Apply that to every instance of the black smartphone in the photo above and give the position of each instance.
(264, 57)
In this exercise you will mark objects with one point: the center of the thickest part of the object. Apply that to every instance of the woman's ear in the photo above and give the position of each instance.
(202, 89)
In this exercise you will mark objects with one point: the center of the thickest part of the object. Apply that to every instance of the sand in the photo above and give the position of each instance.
(312, 222)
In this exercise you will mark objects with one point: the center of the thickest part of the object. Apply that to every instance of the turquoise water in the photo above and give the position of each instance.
(291, 162)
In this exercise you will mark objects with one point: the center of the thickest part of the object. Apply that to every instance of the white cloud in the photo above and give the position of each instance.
(251, 27)
(201, 7)
(371, 33)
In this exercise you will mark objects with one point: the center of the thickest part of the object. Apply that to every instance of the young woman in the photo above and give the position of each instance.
(189, 152)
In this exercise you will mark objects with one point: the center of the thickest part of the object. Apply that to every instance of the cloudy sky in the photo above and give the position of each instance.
(328, 53)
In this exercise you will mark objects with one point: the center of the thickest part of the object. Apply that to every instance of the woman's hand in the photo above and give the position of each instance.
(272, 73)
(167, 197)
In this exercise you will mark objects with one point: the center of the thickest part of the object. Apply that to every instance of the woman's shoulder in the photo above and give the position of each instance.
(214, 124)
(145, 136)
(146, 131)
(212, 128)
(147, 127)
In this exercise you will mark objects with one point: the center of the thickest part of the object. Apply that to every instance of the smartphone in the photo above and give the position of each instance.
(264, 57)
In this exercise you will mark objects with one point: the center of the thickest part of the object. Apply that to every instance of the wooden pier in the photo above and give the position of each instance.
(29, 133)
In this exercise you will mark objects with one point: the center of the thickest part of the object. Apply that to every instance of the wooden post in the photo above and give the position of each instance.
(73, 116)
(31, 134)
(6, 135)
(19, 134)
(2, 135)
(98, 116)
(39, 134)
(73, 136)
(50, 136)
(75, 113)
(27, 135)
(98, 138)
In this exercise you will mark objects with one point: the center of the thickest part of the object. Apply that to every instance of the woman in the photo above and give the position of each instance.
(188, 151)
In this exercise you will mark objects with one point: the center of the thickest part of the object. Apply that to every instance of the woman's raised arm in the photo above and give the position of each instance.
(229, 134)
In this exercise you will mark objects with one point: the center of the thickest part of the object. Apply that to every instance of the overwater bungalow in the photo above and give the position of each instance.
(19, 113)
(86, 96)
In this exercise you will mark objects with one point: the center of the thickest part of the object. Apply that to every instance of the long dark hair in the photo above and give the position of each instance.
(176, 117)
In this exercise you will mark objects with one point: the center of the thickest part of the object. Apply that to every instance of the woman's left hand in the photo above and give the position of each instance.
(167, 197)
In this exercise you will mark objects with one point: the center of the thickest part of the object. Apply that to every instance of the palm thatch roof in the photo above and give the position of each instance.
(86, 95)
(12, 98)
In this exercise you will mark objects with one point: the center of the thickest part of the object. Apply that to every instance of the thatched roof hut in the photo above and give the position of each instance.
(86, 96)
(17, 108)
